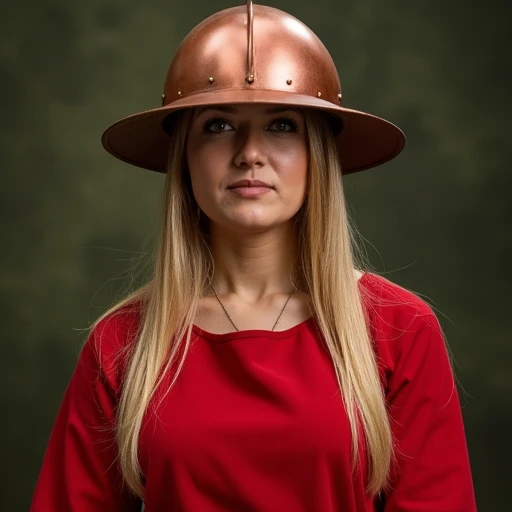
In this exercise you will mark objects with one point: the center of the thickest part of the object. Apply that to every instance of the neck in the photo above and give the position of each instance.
(254, 265)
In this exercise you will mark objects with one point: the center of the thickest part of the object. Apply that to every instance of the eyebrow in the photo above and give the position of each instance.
(231, 110)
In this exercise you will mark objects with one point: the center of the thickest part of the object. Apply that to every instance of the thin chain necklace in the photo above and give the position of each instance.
(233, 324)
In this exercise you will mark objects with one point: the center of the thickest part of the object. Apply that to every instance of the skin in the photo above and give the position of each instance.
(249, 144)
(253, 239)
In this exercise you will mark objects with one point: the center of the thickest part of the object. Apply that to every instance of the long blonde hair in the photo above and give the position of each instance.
(183, 265)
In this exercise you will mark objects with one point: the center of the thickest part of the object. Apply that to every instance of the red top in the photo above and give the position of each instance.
(255, 423)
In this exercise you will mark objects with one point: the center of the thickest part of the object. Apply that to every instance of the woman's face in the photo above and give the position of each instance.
(254, 143)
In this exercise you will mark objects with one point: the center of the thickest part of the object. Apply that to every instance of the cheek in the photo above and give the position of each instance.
(202, 169)
(293, 166)
(202, 186)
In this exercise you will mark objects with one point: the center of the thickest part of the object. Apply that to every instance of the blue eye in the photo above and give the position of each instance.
(217, 125)
(284, 125)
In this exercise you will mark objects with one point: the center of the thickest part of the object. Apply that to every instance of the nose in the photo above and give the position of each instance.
(250, 149)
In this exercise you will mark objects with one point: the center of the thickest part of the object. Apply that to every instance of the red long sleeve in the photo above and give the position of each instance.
(431, 471)
(255, 422)
(79, 471)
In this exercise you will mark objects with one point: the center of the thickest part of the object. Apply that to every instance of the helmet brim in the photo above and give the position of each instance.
(365, 141)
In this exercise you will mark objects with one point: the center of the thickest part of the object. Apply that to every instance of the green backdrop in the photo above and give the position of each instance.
(73, 218)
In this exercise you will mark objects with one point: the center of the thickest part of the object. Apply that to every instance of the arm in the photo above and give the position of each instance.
(431, 471)
(80, 470)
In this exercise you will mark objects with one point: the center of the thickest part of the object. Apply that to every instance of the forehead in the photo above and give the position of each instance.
(247, 109)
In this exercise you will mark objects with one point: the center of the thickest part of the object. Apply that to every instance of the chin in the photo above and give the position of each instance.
(251, 226)
(251, 220)
(243, 223)
(258, 225)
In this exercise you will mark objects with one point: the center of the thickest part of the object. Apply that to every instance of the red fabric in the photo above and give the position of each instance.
(255, 423)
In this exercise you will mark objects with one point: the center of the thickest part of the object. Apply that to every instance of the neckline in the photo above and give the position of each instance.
(253, 333)
(262, 333)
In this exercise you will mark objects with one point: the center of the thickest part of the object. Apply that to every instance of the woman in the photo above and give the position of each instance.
(258, 369)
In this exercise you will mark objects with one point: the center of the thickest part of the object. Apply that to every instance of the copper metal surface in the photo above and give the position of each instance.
(250, 42)
(278, 48)
(254, 54)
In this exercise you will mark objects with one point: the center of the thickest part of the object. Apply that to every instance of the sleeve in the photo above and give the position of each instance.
(431, 470)
(80, 472)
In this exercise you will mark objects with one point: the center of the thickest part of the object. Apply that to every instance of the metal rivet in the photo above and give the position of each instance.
(163, 99)
(319, 94)
(210, 79)
(180, 94)
(339, 97)
(289, 82)
(250, 79)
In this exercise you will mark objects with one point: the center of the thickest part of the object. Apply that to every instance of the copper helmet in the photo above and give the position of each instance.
(253, 54)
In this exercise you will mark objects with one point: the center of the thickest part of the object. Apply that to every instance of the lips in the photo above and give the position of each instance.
(249, 183)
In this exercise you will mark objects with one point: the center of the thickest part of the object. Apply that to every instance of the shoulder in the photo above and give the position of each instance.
(110, 342)
(400, 322)
(388, 304)
(116, 329)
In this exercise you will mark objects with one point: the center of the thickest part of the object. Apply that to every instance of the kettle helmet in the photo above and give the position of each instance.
(259, 55)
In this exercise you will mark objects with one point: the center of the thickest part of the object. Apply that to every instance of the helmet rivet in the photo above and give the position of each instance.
(250, 79)
(180, 94)
(210, 79)
(319, 94)
(163, 99)
(289, 82)
(339, 98)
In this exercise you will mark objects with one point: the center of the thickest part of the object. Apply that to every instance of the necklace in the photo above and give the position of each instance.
(232, 323)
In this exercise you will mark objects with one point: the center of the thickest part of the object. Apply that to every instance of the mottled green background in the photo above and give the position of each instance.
(436, 220)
